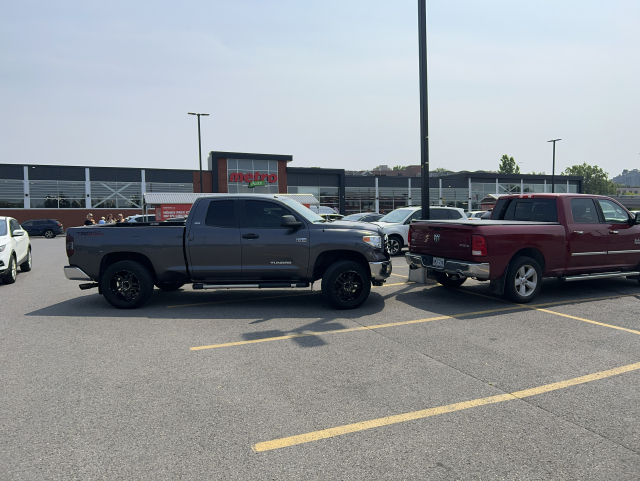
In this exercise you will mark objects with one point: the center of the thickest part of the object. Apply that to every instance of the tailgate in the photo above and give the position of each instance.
(448, 240)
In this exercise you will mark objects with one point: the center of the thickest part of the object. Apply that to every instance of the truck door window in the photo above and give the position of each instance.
(613, 212)
(265, 215)
(417, 215)
(584, 211)
(221, 213)
(535, 210)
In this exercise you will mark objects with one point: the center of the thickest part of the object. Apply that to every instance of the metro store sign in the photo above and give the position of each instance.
(253, 179)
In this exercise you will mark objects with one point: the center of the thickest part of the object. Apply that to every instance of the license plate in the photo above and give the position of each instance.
(437, 262)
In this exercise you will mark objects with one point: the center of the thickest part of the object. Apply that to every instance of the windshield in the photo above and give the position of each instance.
(302, 210)
(3, 227)
(397, 216)
(354, 217)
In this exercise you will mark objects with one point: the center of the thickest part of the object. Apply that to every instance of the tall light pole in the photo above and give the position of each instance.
(424, 111)
(199, 145)
(553, 171)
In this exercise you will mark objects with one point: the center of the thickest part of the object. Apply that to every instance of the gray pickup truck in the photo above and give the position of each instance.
(230, 241)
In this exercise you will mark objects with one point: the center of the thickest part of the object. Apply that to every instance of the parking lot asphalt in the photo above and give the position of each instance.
(420, 382)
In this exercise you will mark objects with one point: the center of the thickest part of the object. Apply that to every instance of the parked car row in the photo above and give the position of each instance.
(48, 228)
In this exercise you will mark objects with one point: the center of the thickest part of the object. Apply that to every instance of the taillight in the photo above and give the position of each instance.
(478, 246)
(69, 245)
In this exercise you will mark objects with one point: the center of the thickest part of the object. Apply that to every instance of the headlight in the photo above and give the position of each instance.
(374, 241)
(2, 247)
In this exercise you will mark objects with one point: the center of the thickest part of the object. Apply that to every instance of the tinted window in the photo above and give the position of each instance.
(27, 223)
(536, 210)
(14, 226)
(454, 214)
(438, 214)
(583, 211)
(221, 213)
(266, 215)
(613, 212)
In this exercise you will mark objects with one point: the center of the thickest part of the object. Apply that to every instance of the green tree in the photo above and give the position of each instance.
(399, 167)
(440, 169)
(596, 180)
(508, 165)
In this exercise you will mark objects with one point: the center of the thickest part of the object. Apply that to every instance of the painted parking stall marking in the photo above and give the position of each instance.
(411, 416)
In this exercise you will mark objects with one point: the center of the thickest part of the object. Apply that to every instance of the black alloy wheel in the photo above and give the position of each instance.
(395, 245)
(346, 284)
(26, 265)
(49, 234)
(127, 285)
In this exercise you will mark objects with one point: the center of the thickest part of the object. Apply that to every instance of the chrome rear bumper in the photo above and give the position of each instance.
(479, 270)
(76, 274)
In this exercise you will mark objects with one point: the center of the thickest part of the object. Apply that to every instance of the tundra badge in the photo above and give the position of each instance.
(301, 239)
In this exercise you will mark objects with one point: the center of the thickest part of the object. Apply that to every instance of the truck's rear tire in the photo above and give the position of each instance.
(169, 286)
(395, 245)
(346, 284)
(523, 281)
(449, 280)
(127, 285)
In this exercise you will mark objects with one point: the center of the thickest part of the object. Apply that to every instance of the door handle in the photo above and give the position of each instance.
(580, 232)
(250, 236)
(613, 231)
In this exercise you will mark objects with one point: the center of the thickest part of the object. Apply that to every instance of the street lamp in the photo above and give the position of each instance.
(199, 145)
(553, 171)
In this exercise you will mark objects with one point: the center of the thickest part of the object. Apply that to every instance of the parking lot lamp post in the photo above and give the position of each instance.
(199, 145)
(424, 111)
(553, 170)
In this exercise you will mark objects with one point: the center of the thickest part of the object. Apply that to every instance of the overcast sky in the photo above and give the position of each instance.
(333, 83)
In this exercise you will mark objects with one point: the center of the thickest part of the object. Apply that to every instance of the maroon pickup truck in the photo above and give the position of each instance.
(530, 236)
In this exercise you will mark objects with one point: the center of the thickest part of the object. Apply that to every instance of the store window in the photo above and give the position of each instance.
(111, 195)
(246, 176)
(54, 194)
(11, 194)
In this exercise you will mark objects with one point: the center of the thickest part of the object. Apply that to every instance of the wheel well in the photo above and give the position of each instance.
(328, 258)
(114, 257)
(534, 254)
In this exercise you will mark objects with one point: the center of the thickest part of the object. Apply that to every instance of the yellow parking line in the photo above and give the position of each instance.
(587, 320)
(389, 285)
(400, 418)
(400, 275)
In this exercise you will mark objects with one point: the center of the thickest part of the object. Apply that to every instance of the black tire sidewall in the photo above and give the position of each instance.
(53, 234)
(510, 288)
(329, 279)
(144, 277)
(398, 239)
(25, 267)
(7, 279)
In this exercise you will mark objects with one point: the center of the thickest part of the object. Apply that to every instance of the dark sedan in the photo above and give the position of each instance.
(46, 227)
(364, 217)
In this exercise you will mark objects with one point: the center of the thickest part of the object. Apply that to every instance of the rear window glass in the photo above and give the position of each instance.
(454, 214)
(221, 213)
(438, 214)
(534, 210)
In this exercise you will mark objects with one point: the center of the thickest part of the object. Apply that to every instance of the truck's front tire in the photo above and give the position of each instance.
(523, 281)
(127, 285)
(346, 284)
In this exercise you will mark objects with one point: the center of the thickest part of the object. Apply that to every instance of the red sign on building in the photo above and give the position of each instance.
(169, 211)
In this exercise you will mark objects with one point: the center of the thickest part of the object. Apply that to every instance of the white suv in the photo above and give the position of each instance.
(396, 223)
(15, 250)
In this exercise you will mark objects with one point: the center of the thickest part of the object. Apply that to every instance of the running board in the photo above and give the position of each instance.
(604, 275)
(262, 285)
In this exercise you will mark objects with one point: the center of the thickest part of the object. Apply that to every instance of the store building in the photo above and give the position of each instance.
(68, 193)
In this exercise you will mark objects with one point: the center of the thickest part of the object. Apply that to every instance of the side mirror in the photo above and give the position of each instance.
(18, 233)
(290, 222)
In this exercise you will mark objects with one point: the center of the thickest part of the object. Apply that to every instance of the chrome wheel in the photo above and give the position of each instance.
(394, 246)
(124, 285)
(49, 234)
(348, 286)
(526, 280)
(14, 270)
